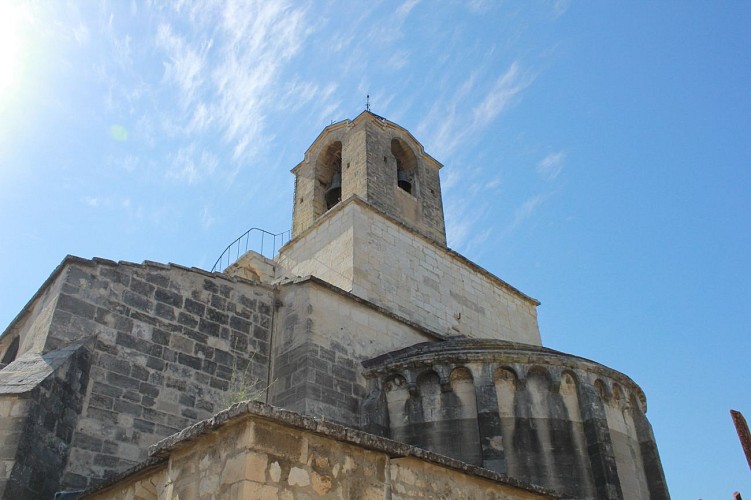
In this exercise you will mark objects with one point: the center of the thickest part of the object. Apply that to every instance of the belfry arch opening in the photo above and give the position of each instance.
(329, 177)
(406, 166)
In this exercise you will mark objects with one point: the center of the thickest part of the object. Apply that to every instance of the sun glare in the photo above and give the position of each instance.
(10, 46)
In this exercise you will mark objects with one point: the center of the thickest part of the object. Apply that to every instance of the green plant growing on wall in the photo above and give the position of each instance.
(243, 385)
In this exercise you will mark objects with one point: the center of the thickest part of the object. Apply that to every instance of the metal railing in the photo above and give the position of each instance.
(261, 239)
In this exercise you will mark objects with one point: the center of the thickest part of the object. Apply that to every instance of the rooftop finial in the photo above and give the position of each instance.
(367, 103)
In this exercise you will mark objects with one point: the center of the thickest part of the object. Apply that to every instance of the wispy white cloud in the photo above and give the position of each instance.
(123, 51)
(461, 221)
(449, 124)
(551, 166)
(190, 165)
(226, 72)
(200, 119)
(525, 211)
(300, 94)
(462, 230)
(91, 201)
(479, 6)
(207, 220)
(454, 123)
(398, 60)
(504, 91)
(223, 63)
(405, 8)
(463, 217)
(261, 39)
(81, 34)
(186, 61)
(108, 202)
(560, 7)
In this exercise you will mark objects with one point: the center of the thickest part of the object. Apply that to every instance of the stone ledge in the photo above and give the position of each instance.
(256, 410)
(144, 468)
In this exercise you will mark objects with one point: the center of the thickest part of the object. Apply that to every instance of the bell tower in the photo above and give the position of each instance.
(377, 161)
(368, 220)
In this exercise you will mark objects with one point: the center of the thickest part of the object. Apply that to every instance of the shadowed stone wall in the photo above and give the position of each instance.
(40, 403)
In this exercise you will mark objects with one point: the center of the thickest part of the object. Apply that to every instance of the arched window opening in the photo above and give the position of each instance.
(334, 191)
(406, 166)
(330, 176)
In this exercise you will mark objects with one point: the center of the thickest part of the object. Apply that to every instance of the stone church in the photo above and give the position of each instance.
(384, 364)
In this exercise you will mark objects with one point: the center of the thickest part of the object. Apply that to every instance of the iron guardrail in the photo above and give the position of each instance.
(263, 239)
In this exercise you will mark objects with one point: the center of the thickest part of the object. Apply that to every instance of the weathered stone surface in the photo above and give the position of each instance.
(226, 455)
(358, 249)
(323, 336)
(367, 152)
(127, 315)
(526, 411)
(37, 428)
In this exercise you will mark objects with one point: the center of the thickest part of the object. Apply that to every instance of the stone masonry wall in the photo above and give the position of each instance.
(32, 325)
(325, 252)
(309, 202)
(165, 343)
(13, 410)
(322, 337)
(168, 343)
(284, 455)
(382, 186)
(414, 278)
(37, 427)
(369, 172)
(426, 284)
(539, 416)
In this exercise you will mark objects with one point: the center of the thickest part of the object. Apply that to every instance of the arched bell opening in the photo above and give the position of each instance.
(329, 174)
(334, 191)
(406, 166)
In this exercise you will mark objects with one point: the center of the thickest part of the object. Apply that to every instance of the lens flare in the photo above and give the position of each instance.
(119, 133)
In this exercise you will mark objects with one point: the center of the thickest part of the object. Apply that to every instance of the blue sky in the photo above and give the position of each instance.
(597, 156)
